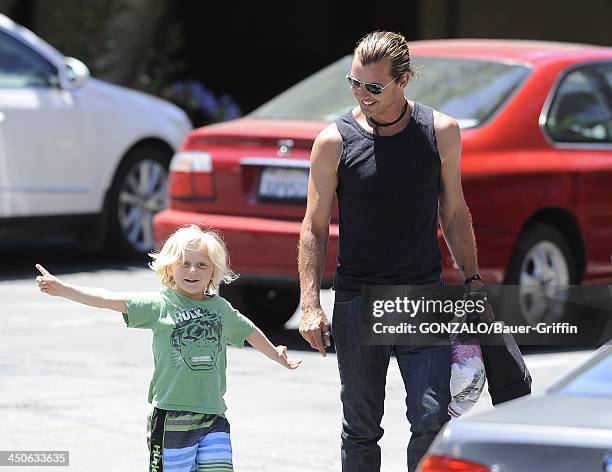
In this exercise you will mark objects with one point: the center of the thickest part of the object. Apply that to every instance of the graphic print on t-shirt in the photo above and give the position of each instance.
(196, 338)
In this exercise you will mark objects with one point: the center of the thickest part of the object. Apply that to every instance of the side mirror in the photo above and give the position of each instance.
(73, 74)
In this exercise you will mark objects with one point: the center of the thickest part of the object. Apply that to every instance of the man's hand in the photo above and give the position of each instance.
(475, 290)
(488, 312)
(284, 360)
(314, 328)
(49, 283)
(475, 285)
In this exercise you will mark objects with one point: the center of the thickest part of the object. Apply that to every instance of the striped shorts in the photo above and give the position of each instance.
(182, 441)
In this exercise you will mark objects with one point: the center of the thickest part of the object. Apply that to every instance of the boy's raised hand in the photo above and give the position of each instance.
(49, 283)
(284, 360)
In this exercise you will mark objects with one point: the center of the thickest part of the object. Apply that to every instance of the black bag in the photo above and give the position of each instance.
(507, 375)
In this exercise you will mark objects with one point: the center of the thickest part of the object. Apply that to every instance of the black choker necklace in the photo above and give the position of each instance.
(393, 122)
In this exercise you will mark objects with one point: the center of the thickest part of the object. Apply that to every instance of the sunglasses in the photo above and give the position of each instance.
(375, 89)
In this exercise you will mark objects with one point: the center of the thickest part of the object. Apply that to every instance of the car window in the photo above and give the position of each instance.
(606, 71)
(469, 90)
(579, 112)
(322, 96)
(22, 67)
(595, 381)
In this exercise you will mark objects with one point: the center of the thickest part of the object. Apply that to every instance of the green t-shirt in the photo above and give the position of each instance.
(189, 338)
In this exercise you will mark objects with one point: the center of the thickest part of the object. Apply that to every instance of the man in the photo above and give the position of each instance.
(394, 165)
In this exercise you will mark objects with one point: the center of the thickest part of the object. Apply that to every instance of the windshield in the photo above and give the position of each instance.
(466, 89)
(594, 381)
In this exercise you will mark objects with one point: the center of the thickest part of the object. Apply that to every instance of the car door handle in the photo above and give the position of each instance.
(2, 116)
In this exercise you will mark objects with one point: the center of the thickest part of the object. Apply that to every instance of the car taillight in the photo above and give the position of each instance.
(435, 463)
(191, 175)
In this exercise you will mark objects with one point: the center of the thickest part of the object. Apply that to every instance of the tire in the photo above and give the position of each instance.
(268, 307)
(132, 201)
(542, 264)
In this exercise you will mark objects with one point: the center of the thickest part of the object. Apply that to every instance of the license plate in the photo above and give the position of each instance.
(283, 184)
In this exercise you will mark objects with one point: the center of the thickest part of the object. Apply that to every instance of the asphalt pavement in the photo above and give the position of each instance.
(74, 378)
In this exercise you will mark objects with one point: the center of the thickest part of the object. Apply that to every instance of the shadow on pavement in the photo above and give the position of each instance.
(555, 349)
(19, 265)
(293, 340)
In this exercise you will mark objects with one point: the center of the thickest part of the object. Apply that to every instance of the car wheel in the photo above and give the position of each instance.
(268, 307)
(542, 266)
(139, 191)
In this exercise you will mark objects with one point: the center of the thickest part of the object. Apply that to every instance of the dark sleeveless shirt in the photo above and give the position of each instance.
(387, 193)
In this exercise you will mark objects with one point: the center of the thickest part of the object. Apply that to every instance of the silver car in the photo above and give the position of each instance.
(568, 428)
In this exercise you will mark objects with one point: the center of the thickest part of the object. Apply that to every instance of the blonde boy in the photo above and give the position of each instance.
(191, 326)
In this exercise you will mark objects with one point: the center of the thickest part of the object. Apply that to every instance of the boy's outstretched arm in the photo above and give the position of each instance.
(277, 353)
(91, 296)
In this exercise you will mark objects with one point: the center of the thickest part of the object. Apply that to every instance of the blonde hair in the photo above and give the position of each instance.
(193, 237)
(380, 45)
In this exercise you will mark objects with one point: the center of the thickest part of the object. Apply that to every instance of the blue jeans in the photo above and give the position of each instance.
(363, 371)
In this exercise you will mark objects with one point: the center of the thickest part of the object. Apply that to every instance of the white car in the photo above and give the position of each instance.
(80, 159)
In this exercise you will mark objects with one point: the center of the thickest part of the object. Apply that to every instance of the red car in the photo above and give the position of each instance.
(536, 121)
